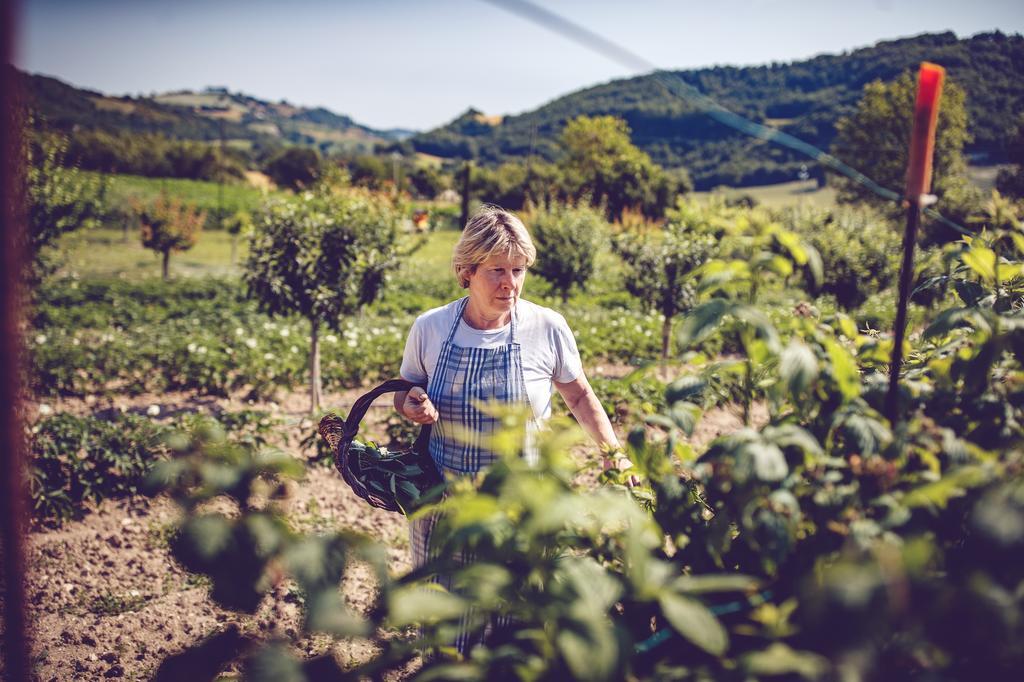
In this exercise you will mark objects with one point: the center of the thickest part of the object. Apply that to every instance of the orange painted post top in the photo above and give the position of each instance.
(922, 139)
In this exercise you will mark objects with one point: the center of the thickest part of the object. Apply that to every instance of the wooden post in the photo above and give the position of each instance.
(466, 172)
(12, 434)
(919, 178)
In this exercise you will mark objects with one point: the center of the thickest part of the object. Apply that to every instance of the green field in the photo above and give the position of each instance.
(123, 191)
(105, 252)
(778, 196)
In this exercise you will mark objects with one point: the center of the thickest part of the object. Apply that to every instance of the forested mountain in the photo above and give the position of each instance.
(803, 98)
(205, 115)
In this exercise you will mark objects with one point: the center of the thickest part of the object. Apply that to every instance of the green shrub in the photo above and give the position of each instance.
(81, 460)
(568, 241)
(860, 251)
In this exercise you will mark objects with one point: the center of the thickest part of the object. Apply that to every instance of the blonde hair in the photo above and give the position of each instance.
(491, 231)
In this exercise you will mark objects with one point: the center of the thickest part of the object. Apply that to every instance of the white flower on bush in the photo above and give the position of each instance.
(268, 356)
(153, 410)
(331, 338)
(45, 410)
(352, 343)
(40, 339)
(294, 349)
(229, 351)
(75, 341)
(191, 348)
(239, 331)
(251, 342)
(285, 331)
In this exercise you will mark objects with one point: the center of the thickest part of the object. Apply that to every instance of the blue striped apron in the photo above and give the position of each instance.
(464, 377)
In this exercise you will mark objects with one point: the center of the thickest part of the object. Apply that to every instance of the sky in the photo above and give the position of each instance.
(417, 64)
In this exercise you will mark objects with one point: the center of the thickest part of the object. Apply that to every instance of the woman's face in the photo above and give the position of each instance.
(496, 284)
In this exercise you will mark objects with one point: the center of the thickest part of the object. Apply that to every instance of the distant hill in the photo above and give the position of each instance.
(804, 98)
(203, 115)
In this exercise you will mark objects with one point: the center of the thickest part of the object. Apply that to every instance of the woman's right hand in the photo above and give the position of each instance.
(417, 406)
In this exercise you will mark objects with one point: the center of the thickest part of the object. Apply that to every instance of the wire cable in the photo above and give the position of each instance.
(676, 86)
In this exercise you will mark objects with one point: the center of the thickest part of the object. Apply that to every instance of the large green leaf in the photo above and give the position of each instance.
(844, 369)
(202, 540)
(948, 320)
(589, 648)
(791, 435)
(326, 612)
(685, 388)
(422, 604)
(702, 320)
(798, 367)
(769, 464)
(791, 242)
(982, 261)
(936, 495)
(712, 583)
(274, 663)
(695, 622)
(760, 324)
(779, 659)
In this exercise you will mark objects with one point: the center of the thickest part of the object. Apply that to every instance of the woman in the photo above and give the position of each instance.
(490, 346)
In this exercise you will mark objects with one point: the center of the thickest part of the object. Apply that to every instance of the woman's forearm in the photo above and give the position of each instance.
(591, 416)
(399, 400)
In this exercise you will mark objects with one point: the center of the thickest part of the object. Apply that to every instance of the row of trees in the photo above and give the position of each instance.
(599, 165)
(155, 155)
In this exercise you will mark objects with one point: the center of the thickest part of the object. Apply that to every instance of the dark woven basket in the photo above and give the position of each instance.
(340, 434)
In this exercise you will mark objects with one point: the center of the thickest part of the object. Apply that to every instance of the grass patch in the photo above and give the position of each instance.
(111, 604)
(784, 194)
(112, 252)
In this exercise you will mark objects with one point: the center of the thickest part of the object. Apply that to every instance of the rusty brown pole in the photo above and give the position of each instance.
(12, 481)
(919, 179)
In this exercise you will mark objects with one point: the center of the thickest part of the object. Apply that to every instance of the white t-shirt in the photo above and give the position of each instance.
(547, 348)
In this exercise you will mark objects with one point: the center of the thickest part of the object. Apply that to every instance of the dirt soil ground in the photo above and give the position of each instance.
(106, 600)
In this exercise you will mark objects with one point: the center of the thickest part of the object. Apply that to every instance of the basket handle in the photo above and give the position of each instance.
(361, 405)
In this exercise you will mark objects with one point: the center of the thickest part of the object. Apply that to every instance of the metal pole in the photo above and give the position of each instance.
(906, 276)
(12, 479)
(919, 177)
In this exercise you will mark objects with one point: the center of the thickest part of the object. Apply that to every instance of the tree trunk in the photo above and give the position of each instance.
(167, 265)
(666, 337)
(314, 367)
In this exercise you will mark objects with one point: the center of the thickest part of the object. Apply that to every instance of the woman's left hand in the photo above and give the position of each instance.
(621, 463)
